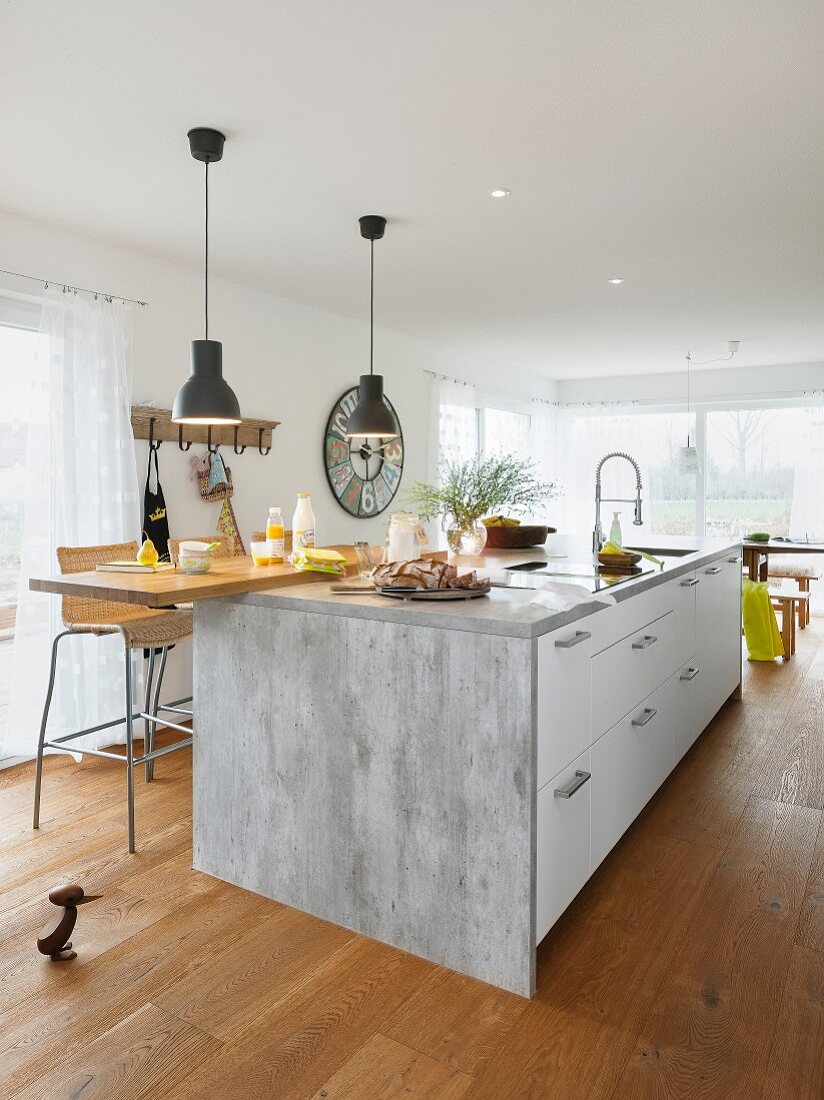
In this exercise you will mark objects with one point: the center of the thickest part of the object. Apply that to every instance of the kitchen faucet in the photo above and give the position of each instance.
(598, 534)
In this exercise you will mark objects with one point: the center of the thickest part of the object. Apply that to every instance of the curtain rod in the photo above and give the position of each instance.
(482, 388)
(74, 289)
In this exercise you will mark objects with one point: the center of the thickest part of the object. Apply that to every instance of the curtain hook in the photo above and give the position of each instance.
(260, 444)
(180, 439)
(234, 446)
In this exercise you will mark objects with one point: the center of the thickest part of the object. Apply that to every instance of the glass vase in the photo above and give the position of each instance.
(464, 536)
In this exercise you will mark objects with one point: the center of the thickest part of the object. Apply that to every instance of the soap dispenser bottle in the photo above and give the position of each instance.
(615, 530)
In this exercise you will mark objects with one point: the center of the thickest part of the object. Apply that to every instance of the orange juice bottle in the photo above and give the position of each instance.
(274, 537)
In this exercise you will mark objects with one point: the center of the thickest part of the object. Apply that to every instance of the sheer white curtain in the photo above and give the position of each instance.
(81, 489)
(453, 423)
(807, 508)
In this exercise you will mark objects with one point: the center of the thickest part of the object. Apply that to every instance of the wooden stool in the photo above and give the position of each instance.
(802, 574)
(789, 605)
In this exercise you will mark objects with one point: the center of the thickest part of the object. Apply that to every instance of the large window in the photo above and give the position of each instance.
(653, 440)
(469, 431)
(752, 458)
(761, 466)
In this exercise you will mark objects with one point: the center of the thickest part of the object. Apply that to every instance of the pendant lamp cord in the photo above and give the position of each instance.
(689, 362)
(371, 301)
(206, 258)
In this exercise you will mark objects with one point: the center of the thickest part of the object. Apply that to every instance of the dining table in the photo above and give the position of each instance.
(757, 554)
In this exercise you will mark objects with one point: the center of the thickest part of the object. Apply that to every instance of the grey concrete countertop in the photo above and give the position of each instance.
(505, 611)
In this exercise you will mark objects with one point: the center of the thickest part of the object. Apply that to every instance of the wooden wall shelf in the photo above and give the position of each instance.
(156, 425)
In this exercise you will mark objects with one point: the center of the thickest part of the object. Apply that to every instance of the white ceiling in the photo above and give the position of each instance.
(680, 145)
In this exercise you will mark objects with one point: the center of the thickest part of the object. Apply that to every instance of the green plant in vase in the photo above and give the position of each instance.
(467, 491)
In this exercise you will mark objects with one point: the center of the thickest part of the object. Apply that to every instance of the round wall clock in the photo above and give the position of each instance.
(364, 474)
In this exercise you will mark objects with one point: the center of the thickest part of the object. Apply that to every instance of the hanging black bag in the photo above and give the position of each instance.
(155, 522)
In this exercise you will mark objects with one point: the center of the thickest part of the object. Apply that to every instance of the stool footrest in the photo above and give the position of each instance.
(155, 753)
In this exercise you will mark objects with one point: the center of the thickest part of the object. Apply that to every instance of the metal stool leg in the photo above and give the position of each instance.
(129, 749)
(155, 704)
(147, 725)
(38, 773)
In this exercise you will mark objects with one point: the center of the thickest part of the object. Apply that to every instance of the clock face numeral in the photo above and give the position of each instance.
(340, 417)
(368, 503)
(392, 476)
(340, 476)
(364, 474)
(383, 493)
(337, 450)
(393, 452)
(351, 494)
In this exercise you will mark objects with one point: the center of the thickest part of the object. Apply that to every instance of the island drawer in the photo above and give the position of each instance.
(564, 714)
(562, 842)
(630, 615)
(631, 669)
(629, 764)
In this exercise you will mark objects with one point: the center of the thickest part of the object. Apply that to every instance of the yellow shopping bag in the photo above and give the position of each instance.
(760, 624)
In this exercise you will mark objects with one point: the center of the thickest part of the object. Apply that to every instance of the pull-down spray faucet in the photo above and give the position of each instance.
(598, 533)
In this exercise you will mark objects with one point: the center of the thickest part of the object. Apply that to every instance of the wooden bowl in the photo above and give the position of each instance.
(619, 562)
(517, 538)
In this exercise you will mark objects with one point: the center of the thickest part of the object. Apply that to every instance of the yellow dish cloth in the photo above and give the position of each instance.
(760, 624)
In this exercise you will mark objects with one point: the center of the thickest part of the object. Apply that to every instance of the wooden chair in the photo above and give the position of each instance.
(790, 604)
(140, 628)
(802, 573)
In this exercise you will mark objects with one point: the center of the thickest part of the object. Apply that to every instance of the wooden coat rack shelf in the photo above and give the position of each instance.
(156, 426)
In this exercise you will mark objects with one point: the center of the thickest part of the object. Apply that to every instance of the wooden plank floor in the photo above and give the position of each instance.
(692, 965)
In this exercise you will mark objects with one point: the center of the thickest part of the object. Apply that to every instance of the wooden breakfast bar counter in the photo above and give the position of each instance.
(227, 577)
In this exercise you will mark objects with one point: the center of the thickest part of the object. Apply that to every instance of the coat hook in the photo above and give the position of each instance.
(154, 445)
(212, 450)
(180, 439)
(234, 446)
(260, 444)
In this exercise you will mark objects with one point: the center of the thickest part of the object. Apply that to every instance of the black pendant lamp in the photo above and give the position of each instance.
(371, 417)
(205, 398)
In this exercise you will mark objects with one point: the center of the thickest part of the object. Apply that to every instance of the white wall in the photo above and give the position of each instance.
(286, 361)
(707, 384)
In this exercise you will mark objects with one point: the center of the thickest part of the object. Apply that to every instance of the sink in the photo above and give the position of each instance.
(533, 574)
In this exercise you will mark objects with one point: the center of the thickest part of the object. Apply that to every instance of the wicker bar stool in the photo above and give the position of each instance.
(140, 628)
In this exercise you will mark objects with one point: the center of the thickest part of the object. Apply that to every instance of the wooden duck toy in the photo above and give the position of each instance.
(54, 938)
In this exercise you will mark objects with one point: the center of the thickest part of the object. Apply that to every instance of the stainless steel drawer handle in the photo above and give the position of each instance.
(647, 716)
(691, 582)
(578, 637)
(690, 673)
(645, 642)
(575, 785)
(713, 570)
(734, 561)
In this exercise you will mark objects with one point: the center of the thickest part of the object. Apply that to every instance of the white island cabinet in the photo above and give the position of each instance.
(446, 777)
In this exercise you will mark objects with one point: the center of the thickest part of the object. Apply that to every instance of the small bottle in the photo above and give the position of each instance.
(274, 537)
(303, 524)
(615, 530)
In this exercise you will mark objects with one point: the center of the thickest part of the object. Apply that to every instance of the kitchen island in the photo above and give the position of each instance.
(446, 777)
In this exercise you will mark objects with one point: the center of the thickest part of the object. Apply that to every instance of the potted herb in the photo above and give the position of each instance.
(468, 491)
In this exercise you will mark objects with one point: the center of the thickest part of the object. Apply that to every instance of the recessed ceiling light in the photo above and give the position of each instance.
(615, 282)
(500, 193)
